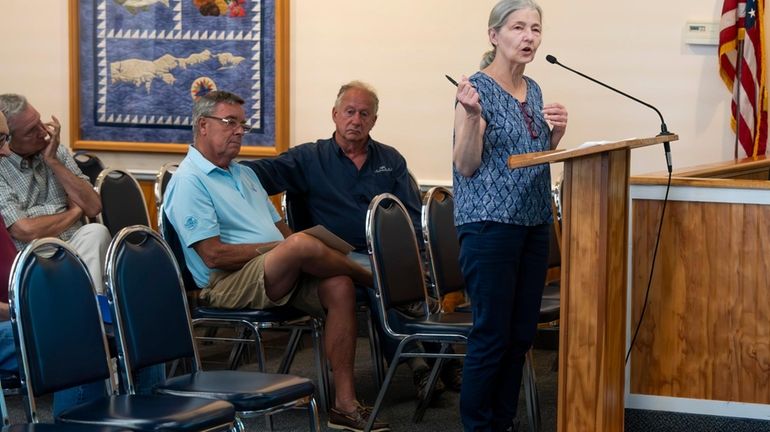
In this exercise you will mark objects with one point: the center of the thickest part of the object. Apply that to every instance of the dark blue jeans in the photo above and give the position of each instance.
(504, 268)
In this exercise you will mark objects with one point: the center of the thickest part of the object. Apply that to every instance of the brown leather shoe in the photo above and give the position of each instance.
(354, 421)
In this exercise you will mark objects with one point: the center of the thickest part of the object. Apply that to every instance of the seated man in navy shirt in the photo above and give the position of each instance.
(339, 176)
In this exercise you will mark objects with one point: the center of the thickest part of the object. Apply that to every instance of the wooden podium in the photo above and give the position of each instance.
(592, 340)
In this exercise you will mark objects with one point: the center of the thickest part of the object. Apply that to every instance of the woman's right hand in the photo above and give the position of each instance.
(468, 97)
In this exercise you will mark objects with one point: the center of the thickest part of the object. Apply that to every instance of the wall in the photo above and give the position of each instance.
(405, 47)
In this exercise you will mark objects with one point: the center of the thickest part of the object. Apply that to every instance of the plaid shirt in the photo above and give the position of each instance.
(29, 189)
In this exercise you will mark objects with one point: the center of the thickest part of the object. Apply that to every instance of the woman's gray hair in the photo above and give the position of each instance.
(360, 85)
(497, 18)
(206, 104)
(11, 105)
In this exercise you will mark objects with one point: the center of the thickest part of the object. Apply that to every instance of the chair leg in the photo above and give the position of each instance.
(291, 351)
(384, 388)
(237, 351)
(530, 393)
(320, 361)
(374, 347)
(422, 404)
(312, 412)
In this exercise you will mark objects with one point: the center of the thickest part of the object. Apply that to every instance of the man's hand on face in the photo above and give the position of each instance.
(54, 129)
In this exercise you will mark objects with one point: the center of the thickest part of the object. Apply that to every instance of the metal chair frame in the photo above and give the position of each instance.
(291, 320)
(113, 407)
(440, 335)
(102, 183)
(113, 290)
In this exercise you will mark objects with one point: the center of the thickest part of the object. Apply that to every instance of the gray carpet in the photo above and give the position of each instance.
(443, 415)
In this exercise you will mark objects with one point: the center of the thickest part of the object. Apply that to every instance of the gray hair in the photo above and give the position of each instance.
(361, 86)
(497, 18)
(11, 105)
(206, 104)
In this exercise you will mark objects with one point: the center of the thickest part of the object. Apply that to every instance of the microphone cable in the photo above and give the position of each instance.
(652, 269)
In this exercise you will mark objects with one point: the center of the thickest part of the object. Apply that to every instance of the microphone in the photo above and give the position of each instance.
(663, 129)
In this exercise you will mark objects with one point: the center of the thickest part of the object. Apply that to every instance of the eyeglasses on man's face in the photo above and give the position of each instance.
(529, 119)
(231, 124)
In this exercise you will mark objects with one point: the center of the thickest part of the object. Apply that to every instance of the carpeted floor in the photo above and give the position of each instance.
(443, 415)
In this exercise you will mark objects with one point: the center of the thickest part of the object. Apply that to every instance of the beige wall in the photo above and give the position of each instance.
(404, 48)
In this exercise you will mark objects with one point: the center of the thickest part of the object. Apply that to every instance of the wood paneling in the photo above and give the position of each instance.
(592, 339)
(706, 332)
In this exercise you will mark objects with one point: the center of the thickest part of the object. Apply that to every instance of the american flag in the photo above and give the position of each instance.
(741, 39)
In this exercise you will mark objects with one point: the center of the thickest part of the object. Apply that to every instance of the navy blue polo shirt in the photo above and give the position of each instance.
(336, 192)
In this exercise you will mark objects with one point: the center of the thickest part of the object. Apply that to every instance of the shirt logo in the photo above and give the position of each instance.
(382, 169)
(191, 223)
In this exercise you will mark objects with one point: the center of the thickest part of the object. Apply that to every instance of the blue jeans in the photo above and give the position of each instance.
(146, 379)
(504, 268)
(8, 362)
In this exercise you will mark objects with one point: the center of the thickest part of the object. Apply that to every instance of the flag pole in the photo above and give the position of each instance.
(738, 70)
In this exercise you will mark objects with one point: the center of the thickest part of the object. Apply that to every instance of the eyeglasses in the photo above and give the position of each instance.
(231, 124)
(529, 119)
(4, 139)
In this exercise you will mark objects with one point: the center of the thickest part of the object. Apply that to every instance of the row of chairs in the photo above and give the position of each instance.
(61, 340)
(123, 205)
(442, 248)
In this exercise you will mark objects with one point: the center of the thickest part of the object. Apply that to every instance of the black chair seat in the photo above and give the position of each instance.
(552, 291)
(150, 413)
(549, 310)
(43, 427)
(454, 322)
(276, 314)
(247, 391)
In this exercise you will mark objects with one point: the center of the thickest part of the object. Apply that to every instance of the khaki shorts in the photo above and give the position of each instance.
(245, 288)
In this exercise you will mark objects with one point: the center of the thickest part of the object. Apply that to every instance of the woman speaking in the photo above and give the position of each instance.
(502, 215)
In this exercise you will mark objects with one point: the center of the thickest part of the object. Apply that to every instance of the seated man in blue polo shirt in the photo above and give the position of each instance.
(242, 255)
(339, 176)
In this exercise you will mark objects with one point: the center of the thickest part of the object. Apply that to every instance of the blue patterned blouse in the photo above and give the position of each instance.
(495, 192)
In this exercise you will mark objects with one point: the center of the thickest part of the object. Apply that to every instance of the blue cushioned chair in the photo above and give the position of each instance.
(43, 427)
(399, 281)
(61, 344)
(254, 321)
(141, 266)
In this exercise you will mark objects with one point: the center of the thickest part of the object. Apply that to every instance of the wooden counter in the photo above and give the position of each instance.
(704, 344)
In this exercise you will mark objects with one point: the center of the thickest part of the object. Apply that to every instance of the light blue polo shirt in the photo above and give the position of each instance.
(204, 201)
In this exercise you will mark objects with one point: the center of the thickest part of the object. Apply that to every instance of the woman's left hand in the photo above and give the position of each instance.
(556, 116)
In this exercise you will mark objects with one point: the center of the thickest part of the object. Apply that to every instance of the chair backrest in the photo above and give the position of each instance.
(55, 314)
(122, 201)
(440, 235)
(172, 239)
(89, 164)
(147, 299)
(161, 181)
(395, 255)
(296, 211)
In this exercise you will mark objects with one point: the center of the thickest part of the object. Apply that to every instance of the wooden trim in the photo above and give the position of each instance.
(701, 182)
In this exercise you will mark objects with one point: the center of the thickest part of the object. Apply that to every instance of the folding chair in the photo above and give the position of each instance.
(140, 266)
(253, 321)
(122, 201)
(89, 164)
(399, 281)
(61, 344)
(161, 181)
